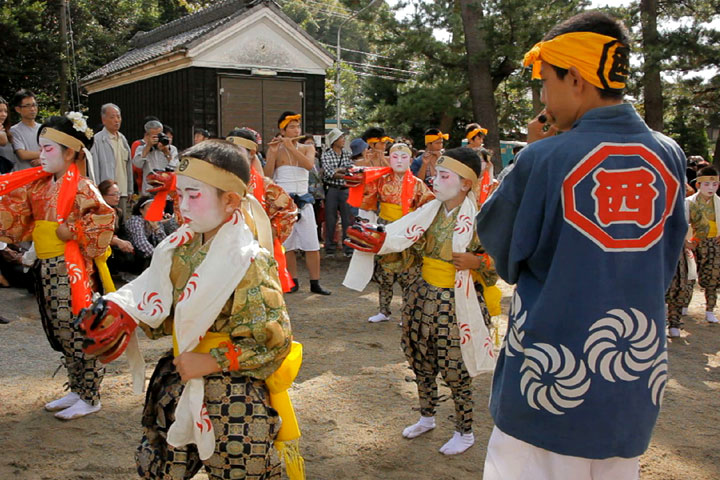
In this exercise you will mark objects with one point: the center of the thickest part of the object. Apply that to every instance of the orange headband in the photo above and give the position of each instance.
(472, 133)
(602, 61)
(378, 139)
(289, 119)
(435, 137)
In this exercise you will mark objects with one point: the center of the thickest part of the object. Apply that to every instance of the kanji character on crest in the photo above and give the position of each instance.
(625, 196)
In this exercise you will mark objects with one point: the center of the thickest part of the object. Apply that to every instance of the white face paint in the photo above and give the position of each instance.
(51, 156)
(447, 184)
(200, 204)
(399, 161)
(708, 189)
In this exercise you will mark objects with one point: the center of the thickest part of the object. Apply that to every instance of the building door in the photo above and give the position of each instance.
(258, 102)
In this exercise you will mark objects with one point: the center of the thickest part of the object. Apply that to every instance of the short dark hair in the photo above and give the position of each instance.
(21, 95)
(432, 131)
(707, 172)
(139, 204)
(243, 133)
(466, 156)
(284, 115)
(373, 132)
(473, 126)
(201, 131)
(222, 154)
(65, 125)
(105, 186)
(596, 22)
(167, 129)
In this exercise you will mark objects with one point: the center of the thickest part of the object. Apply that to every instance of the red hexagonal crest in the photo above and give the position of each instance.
(621, 196)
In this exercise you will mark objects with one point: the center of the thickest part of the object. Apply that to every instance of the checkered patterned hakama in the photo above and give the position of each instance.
(245, 426)
(708, 266)
(679, 294)
(431, 342)
(84, 373)
(386, 280)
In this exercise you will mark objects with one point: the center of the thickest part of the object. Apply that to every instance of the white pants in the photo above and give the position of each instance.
(511, 459)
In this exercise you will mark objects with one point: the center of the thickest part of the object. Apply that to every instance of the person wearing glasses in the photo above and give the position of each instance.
(25, 132)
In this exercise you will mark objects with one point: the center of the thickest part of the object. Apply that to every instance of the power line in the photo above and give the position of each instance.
(374, 75)
(377, 55)
(382, 67)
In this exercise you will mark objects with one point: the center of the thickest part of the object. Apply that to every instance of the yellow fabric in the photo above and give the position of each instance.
(289, 452)
(47, 243)
(707, 178)
(472, 133)
(62, 138)
(209, 341)
(104, 271)
(378, 139)
(458, 167)
(433, 138)
(438, 273)
(401, 147)
(243, 142)
(492, 296)
(206, 172)
(390, 211)
(602, 60)
(289, 119)
(712, 233)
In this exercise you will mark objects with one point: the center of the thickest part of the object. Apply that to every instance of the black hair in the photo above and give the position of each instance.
(139, 204)
(707, 172)
(243, 133)
(201, 131)
(307, 137)
(473, 126)
(516, 149)
(65, 125)
(596, 22)
(167, 129)
(20, 95)
(373, 132)
(284, 115)
(222, 154)
(432, 131)
(6, 123)
(466, 156)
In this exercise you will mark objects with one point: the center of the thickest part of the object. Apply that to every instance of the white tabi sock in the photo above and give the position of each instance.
(380, 317)
(710, 317)
(425, 424)
(79, 409)
(62, 403)
(458, 443)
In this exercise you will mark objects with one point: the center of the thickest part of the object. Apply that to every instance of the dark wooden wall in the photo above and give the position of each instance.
(188, 98)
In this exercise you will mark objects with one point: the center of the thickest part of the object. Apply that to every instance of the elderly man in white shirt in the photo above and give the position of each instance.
(111, 154)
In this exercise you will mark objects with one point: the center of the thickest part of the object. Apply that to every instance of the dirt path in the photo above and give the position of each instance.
(353, 397)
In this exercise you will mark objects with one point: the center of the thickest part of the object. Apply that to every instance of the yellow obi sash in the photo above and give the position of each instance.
(278, 384)
(712, 233)
(441, 274)
(390, 211)
(48, 245)
(438, 273)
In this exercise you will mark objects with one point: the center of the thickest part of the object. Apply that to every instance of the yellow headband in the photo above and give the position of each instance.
(707, 178)
(378, 139)
(212, 175)
(62, 138)
(243, 142)
(289, 119)
(603, 61)
(401, 147)
(458, 167)
(472, 133)
(436, 136)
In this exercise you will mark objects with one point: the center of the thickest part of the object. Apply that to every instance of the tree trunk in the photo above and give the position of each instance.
(479, 75)
(63, 56)
(716, 154)
(652, 85)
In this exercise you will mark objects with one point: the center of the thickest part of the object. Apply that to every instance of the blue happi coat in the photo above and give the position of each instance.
(589, 225)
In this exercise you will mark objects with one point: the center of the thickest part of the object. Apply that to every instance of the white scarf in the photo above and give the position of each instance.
(149, 299)
(476, 343)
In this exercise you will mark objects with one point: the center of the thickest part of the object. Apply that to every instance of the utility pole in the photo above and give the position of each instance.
(338, 94)
(63, 56)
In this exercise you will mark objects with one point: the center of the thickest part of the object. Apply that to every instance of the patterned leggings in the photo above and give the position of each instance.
(708, 261)
(244, 422)
(431, 342)
(386, 280)
(679, 294)
(84, 373)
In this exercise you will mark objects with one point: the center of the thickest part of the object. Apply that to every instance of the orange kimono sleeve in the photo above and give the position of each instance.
(423, 194)
(281, 210)
(16, 217)
(92, 220)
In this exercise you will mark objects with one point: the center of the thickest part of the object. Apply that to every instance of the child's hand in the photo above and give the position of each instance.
(195, 365)
(466, 261)
(64, 233)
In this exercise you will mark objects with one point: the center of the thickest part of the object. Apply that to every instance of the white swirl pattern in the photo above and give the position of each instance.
(553, 380)
(658, 379)
(515, 335)
(621, 346)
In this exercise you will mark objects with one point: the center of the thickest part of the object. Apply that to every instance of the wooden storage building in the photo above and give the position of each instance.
(236, 63)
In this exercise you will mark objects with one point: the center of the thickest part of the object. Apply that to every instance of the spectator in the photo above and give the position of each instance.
(123, 252)
(511, 164)
(12, 271)
(200, 135)
(169, 132)
(335, 161)
(475, 135)
(7, 155)
(154, 152)
(316, 188)
(25, 132)
(111, 156)
(144, 235)
(358, 149)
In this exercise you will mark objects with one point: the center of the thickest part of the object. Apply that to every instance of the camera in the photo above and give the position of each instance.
(164, 139)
